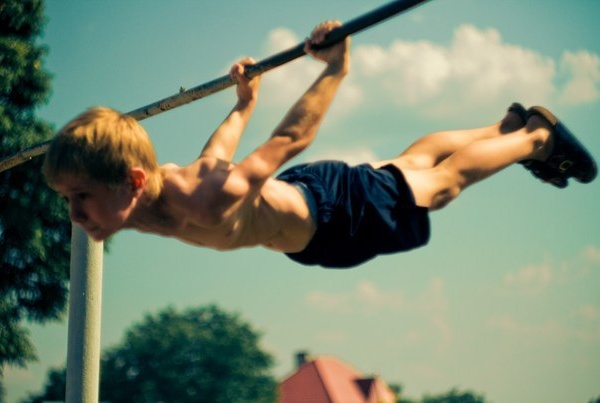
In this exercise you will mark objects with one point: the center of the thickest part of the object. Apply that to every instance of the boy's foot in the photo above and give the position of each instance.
(516, 118)
(539, 169)
(568, 159)
(519, 110)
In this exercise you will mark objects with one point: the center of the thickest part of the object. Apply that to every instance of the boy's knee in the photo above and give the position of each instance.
(433, 188)
(416, 161)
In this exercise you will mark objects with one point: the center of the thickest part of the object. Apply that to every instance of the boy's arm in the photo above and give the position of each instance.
(298, 128)
(224, 141)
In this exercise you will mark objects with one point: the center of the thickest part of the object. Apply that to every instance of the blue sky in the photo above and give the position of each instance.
(504, 300)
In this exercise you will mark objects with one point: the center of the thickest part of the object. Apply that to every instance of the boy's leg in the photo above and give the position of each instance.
(433, 148)
(437, 186)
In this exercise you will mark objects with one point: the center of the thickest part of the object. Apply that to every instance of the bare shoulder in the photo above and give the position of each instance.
(191, 175)
(204, 188)
(181, 180)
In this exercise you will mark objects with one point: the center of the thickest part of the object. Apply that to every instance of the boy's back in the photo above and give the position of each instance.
(206, 203)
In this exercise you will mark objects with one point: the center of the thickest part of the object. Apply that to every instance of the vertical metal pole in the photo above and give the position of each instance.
(85, 307)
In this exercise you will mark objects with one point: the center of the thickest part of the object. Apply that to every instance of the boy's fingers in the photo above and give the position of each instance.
(236, 71)
(247, 61)
(320, 31)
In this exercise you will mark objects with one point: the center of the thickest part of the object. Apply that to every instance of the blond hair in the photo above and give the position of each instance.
(102, 144)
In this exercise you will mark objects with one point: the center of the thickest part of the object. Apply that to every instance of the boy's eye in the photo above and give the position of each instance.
(77, 196)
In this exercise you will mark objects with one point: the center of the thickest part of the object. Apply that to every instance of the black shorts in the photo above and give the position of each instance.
(360, 212)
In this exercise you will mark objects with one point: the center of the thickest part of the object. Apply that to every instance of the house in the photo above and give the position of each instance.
(329, 380)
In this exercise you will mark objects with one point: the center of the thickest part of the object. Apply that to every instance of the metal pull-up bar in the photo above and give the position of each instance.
(348, 28)
(184, 97)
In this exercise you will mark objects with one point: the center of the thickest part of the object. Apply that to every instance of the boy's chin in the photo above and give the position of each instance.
(97, 235)
(100, 236)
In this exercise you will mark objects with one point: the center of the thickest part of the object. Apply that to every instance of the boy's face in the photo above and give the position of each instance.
(97, 208)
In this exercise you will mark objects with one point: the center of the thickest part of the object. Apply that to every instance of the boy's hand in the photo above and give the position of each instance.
(336, 56)
(247, 89)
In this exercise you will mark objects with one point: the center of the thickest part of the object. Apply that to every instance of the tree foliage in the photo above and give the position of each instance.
(34, 225)
(55, 388)
(452, 396)
(199, 355)
(455, 396)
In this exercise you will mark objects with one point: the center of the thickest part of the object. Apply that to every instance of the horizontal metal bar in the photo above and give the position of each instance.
(348, 28)
(184, 97)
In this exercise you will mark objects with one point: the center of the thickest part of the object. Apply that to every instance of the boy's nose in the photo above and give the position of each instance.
(77, 215)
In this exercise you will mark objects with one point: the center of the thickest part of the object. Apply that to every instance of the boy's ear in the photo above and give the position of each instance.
(137, 178)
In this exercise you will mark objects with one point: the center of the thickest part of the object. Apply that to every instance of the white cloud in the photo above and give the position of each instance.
(581, 325)
(535, 278)
(477, 69)
(329, 302)
(444, 332)
(17, 375)
(433, 298)
(352, 156)
(579, 267)
(285, 84)
(592, 254)
(488, 67)
(407, 73)
(583, 70)
(366, 298)
(336, 337)
(530, 279)
(426, 311)
(510, 325)
(280, 39)
(550, 330)
(590, 312)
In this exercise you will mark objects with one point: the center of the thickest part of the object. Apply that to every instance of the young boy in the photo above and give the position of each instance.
(325, 213)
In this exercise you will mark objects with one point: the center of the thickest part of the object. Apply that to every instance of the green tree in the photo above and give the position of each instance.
(455, 396)
(198, 355)
(34, 225)
(398, 388)
(55, 388)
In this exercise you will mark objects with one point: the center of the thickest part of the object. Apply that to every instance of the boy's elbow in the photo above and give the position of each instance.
(295, 137)
(295, 143)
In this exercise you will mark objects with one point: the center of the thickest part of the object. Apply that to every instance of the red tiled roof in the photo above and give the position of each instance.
(328, 380)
